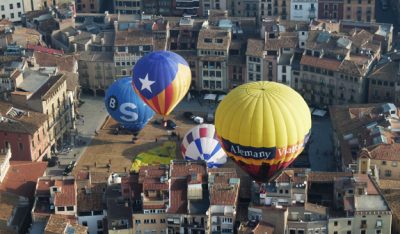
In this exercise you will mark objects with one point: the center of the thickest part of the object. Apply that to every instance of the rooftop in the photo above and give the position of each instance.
(255, 47)
(62, 224)
(67, 195)
(224, 194)
(214, 39)
(19, 182)
(133, 38)
(35, 79)
(62, 62)
(8, 202)
(19, 120)
(325, 63)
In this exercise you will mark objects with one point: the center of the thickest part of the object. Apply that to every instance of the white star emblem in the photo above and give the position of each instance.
(146, 83)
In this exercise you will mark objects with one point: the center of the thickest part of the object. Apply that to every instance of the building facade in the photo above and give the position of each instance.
(128, 7)
(11, 10)
(303, 10)
(359, 10)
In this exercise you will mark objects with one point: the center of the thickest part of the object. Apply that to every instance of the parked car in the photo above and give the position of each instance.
(157, 122)
(69, 168)
(169, 124)
(198, 120)
(52, 162)
(188, 115)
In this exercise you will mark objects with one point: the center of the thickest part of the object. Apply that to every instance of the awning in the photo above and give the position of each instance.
(221, 97)
(318, 112)
(210, 97)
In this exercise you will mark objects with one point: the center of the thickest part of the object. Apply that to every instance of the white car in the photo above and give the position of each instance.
(198, 120)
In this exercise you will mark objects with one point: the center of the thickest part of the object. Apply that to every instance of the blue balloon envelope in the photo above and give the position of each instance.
(126, 107)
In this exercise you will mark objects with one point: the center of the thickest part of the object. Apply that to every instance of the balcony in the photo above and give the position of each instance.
(363, 226)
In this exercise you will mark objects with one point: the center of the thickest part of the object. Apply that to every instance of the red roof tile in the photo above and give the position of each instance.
(325, 63)
(222, 194)
(67, 196)
(178, 196)
(326, 177)
(22, 176)
(389, 152)
(62, 62)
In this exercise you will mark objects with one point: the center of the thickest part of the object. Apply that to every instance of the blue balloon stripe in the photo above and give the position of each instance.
(198, 145)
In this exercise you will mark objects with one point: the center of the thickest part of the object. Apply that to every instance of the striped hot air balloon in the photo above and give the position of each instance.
(201, 143)
(263, 126)
(161, 79)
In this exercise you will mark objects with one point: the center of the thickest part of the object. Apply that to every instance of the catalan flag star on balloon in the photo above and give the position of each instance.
(146, 83)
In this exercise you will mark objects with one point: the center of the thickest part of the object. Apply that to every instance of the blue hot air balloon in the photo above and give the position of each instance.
(126, 107)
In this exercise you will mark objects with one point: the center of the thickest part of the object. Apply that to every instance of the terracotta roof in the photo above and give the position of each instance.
(212, 34)
(385, 71)
(90, 201)
(8, 202)
(255, 47)
(326, 177)
(389, 184)
(26, 36)
(133, 38)
(43, 186)
(388, 152)
(178, 196)
(67, 196)
(349, 67)
(281, 42)
(392, 197)
(224, 194)
(20, 123)
(315, 208)
(264, 227)
(62, 62)
(60, 223)
(22, 176)
(361, 37)
(371, 189)
(325, 63)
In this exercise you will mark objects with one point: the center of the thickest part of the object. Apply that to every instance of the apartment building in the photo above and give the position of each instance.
(359, 10)
(365, 137)
(188, 197)
(208, 5)
(11, 10)
(154, 200)
(96, 71)
(24, 132)
(91, 211)
(346, 203)
(45, 91)
(89, 6)
(213, 50)
(128, 7)
(184, 33)
(223, 186)
(188, 7)
(158, 7)
(303, 10)
(383, 81)
(366, 210)
(54, 195)
(272, 8)
(331, 9)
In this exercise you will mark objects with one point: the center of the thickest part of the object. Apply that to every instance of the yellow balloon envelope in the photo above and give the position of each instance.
(263, 126)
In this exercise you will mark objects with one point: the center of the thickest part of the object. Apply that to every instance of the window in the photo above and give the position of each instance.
(99, 224)
(207, 40)
(21, 146)
(335, 232)
(363, 232)
(388, 173)
(84, 223)
(61, 208)
(2, 7)
(335, 223)
(349, 222)
(378, 223)
(146, 221)
(394, 164)
(219, 40)
(383, 162)
(70, 208)
(12, 15)
(152, 221)
(137, 221)
(162, 220)
(348, 232)
(11, 6)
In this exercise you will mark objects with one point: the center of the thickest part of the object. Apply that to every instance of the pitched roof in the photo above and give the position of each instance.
(63, 224)
(213, 34)
(67, 195)
(388, 152)
(62, 62)
(133, 38)
(22, 123)
(92, 201)
(255, 47)
(224, 194)
(325, 63)
(18, 181)
(281, 42)
(42, 49)
(326, 177)
(349, 67)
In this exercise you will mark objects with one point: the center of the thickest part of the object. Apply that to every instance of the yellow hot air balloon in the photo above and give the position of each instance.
(263, 126)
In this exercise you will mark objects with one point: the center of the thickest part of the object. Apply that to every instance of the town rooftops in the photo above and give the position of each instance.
(62, 62)
(10, 203)
(326, 177)
(21, 183)
(224, 194)
(255, 48)
(62, 224)
(325, 63)
(214, 39)
(67, 195)
(19, 120)
(133, 38)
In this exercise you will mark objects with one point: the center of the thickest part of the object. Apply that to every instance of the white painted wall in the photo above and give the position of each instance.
(300, 10)
(13, 14)
(92, 222)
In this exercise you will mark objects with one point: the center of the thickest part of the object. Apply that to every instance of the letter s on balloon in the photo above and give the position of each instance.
(128, 115)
